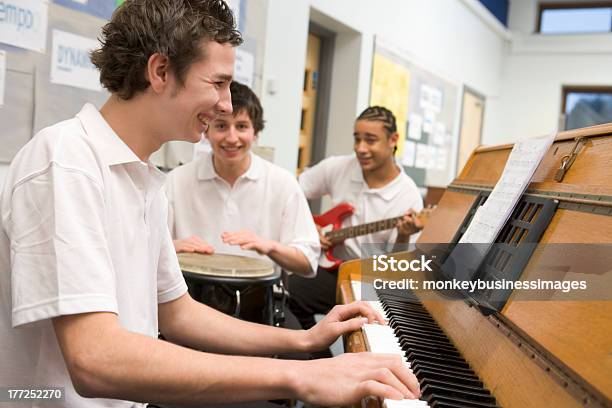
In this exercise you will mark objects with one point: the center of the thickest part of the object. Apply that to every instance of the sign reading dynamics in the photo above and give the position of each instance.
(23, 23)
(70, 62)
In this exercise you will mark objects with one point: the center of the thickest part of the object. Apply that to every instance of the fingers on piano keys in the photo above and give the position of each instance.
(446, 379)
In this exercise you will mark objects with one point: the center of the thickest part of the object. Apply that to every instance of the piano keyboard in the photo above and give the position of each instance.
(446, 379)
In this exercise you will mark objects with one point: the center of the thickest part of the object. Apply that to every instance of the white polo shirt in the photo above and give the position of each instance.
(83, 230)
(342, 178)
(266, 200)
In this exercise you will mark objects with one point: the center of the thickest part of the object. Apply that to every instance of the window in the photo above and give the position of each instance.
(575, 18)
(586, 106)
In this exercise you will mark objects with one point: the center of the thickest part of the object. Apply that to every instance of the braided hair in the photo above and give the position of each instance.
(381, 114)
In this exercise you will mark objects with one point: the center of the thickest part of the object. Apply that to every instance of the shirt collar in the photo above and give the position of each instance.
(387, 192)
(98, 132)
(206, 168)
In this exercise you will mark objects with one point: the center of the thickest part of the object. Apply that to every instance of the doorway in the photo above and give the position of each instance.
(472, 116)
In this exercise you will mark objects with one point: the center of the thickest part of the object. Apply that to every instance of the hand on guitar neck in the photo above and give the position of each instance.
(331, 233)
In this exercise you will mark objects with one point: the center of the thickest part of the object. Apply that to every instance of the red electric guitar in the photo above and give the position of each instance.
(330, 223)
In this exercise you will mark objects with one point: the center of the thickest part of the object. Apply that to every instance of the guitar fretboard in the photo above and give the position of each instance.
(363, 229)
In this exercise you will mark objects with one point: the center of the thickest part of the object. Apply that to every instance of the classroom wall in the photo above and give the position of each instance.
(534, 70)
(457, 39)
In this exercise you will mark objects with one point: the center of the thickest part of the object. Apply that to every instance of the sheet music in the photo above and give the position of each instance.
(520, 167)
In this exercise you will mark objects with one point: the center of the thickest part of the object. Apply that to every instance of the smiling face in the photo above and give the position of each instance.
(189, 109)
(372, 144)
(231, 137)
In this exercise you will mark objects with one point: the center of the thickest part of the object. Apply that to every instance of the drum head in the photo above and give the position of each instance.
(225, 265)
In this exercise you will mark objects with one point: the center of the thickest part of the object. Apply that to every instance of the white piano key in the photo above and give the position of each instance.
(376, 305)
(405, 403)
(381, 339)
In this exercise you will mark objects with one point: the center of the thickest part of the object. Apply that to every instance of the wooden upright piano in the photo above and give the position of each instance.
(526, 353)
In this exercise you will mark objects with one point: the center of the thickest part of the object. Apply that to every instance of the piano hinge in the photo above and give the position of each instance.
(575, 385)
(568, 159)
(589, 203)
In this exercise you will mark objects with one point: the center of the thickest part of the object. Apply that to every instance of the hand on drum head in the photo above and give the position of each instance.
(340, 320)
(193, 244)
(346, 379)
(248, 240)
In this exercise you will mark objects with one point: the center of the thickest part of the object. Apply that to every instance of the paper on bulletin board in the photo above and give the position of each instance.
(24, 23)
(409, 153)
(2, 75)
(431, 157)
(244, 67)
(422, 156)
(390, 87)
(429, 118)
(441, 158)
(70, 62)
(430, 98)
(439, 134)
(415, 126)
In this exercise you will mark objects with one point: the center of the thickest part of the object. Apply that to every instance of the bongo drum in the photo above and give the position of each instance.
(233, 284)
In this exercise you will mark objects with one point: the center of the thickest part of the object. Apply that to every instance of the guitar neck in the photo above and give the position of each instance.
(362, 229)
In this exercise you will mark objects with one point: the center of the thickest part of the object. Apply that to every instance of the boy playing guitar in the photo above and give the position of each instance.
(376, 188)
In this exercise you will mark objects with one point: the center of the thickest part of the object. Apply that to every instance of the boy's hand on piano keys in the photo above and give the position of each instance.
(340, 320)
(348, 378)
(193, 244)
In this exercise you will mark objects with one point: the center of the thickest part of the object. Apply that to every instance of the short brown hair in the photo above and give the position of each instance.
(244, 99)
(174, 28)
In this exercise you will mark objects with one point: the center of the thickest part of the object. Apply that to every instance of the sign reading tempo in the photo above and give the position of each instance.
(23, 23)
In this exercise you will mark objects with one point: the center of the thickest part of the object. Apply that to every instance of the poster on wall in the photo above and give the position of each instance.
(23, 23)
(389, 88)
(99, 8)
(2, 75)
(70, 62)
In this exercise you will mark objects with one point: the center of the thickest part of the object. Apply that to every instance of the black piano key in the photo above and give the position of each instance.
(406, 306)
(443, 344)
(455, 386)
(451, 393)
(427, 356)
(405, 312)
(409, 319)
(442, 367)
(439, 404)
(425, 346)
(431, 399)
(397, 301)
(423, 333)
(440, 375)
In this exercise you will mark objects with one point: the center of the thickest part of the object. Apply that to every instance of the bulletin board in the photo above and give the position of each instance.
(425, 106)
(37, 90)
(31, 101)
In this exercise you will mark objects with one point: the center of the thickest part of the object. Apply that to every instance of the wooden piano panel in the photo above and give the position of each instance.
(576, 332)
(449, 213)
(512, 376)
